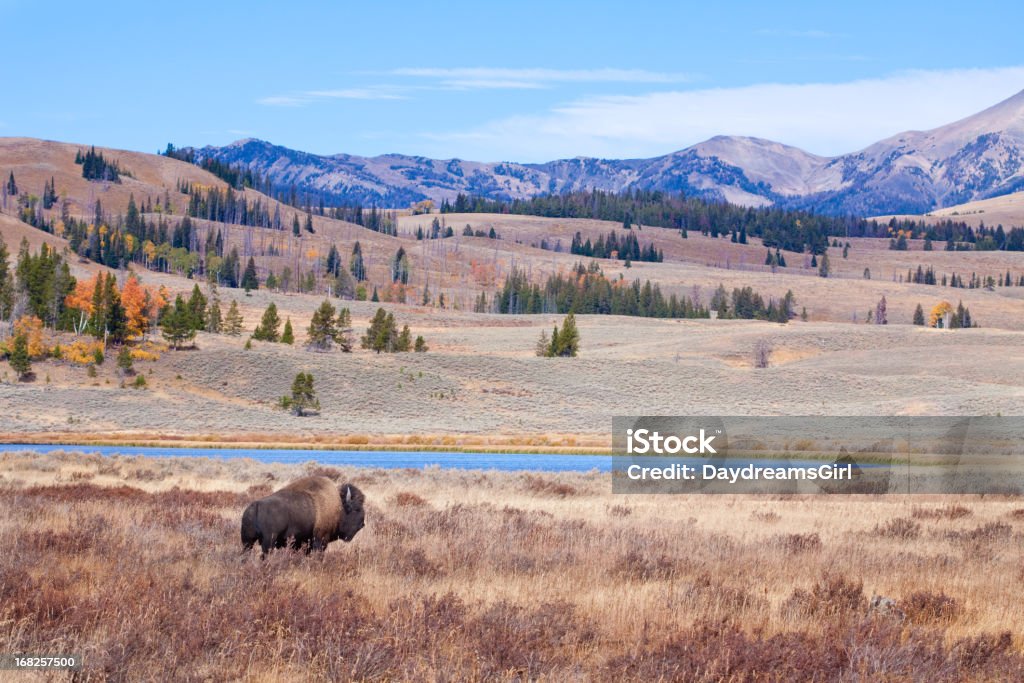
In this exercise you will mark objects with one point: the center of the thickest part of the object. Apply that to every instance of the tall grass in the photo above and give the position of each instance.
(498, 576)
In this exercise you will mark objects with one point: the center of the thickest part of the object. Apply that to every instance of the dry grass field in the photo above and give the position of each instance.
(1006, 210)
(480, 383)
(134, 563)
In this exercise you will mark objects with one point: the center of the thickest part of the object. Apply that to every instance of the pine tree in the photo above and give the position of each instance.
(214, 320)
(249, 279)
(303, 395)
(19, 358)
(404, 342)
(197, 308)
(824, 270)
(288, 336)
(295, 225)
(356, 265)
(343, 330)
(400, 267)
(322, 330)
(420, 346)
(375, 298)
(919, 315)
(12, 187)
(176, 324)
(381, 335)
(125, 363)
(267, 330)
(566, 342)
(233, 320)
(116, 330)
(543, 344)
(6, 283)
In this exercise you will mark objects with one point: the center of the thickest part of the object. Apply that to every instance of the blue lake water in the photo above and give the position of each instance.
(390, 459)
(383, 459)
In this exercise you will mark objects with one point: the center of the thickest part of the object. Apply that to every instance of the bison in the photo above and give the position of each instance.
(310, 512)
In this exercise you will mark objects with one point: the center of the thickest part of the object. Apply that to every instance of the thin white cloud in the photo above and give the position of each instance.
(283, 101)
(516, 78)
(825, 118)
(485, 84)
(355, 94)
(301, 99)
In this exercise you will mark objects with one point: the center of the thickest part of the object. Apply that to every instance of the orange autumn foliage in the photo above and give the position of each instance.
(81, 298)
(31, 328)
(939, 312)
(136, 310)
(141, 304)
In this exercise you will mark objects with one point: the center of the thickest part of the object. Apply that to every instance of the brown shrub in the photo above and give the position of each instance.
(544, 485)
(834, 595)
(331, 473)
(178, 498)
(986, 652)
(799, 543)
(64, 542)
(729, 598)
(412, 563)
(924, 607)
(722, 651)
(87, 492)
(637, 566)
(945, 512)
(769, 516)
(146, 474)
(619, 511)
(259, 491)
(986, 533)
(529, 643)
(899, 528)
(409, 499)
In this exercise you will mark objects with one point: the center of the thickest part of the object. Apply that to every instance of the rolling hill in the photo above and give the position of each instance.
(977, 157)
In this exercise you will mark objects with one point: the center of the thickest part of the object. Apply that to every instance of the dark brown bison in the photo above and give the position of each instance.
(309, 513)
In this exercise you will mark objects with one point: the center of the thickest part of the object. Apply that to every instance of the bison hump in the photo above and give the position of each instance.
(326, 500)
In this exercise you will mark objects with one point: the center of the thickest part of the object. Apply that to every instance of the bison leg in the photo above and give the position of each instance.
(267, 543)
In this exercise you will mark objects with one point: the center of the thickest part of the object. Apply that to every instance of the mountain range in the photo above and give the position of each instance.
(978, 157)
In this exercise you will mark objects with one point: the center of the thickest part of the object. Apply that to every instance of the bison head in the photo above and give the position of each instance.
(353, 519)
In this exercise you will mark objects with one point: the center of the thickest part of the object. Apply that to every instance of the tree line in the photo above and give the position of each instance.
(626, 249)
(587, 290)
(788, 229)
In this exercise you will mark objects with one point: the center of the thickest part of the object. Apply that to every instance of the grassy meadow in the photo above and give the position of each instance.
(135, 564)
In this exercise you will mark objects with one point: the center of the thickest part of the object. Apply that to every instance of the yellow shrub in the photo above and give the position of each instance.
(142, 354)
(82, 352)
(32, 328)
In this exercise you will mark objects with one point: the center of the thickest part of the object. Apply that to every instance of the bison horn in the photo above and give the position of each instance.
(348, 493)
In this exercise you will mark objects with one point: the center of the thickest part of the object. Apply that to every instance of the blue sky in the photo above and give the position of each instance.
(524, 81)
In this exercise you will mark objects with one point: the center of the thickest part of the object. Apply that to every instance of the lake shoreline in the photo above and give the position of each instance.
(528, 444)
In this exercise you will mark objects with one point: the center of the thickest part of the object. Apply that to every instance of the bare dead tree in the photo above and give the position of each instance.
(762, 353)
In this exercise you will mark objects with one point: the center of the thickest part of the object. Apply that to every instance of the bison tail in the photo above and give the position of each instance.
(250, 526)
